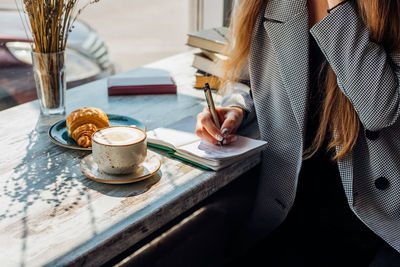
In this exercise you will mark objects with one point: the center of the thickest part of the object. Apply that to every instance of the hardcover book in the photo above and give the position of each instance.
(207, 65)
(202, 79)
(203, 63)
(181, 142)
(213, 39)
(214, 56)
(141, 85)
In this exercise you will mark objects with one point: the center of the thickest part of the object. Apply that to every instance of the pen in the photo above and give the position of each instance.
(211, 107)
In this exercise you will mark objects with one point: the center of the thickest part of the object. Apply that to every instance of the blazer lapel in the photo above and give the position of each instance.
(286, 23)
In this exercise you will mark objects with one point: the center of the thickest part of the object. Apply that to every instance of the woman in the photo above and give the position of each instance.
(324, 81)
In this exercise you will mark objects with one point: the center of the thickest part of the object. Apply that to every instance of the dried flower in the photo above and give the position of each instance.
(50, 21)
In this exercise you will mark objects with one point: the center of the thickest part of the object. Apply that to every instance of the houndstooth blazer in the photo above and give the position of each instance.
(279, 79)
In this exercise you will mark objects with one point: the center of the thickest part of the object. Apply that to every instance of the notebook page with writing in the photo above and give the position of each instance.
(187, 146)
(204, 149)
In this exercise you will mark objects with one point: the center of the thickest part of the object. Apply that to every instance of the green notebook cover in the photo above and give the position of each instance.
(171, 153)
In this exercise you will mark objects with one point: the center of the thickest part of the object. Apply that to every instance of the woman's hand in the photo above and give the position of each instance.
(230, 119)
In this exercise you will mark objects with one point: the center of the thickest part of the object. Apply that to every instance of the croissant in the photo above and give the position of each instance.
(83, 122)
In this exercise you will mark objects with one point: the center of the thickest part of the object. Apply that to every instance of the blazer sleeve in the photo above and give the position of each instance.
(366, 74)
(240, 96)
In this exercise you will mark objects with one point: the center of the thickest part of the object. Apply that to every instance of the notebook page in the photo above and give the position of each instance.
(178, 134)
(204, 149)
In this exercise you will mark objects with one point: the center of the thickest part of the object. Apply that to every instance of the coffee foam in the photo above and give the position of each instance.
(119, 136)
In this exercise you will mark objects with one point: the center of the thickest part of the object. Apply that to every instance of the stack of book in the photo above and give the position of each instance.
(212, 43)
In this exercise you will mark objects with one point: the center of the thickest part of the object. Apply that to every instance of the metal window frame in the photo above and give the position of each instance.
(197, 15)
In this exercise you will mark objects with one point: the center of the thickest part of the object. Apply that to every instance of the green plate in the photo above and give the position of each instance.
(58, 133)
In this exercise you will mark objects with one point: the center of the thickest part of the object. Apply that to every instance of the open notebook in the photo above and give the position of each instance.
(180, 140)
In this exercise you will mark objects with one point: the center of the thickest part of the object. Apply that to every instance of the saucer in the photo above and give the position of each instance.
(58, 133)
(146, 169)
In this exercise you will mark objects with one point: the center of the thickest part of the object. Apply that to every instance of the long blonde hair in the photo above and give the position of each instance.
(338, 118)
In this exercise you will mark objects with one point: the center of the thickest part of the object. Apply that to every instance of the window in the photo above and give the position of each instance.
(136, 32)
(210, 13)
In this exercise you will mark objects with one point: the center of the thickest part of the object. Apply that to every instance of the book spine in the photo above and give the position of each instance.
(213, 81)
(142, 90)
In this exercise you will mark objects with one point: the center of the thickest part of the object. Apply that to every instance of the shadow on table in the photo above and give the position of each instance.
(47, 182)
(41, 178)
(124, 190)
(44, 174)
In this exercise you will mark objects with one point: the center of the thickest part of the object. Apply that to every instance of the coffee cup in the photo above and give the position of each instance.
(119, 149)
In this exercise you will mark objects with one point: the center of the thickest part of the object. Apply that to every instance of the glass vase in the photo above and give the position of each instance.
(51, 85)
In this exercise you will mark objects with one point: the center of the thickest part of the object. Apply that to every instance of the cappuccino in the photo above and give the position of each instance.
(119, 136)
(119, 149)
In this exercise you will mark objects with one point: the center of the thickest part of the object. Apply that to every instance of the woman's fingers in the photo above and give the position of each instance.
(230, 118)
(229, 126)
(233, 119)
(206, 129)
(203, 134)
(230, 139)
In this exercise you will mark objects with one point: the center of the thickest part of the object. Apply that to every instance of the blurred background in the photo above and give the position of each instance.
(141, 31)
(115, 36)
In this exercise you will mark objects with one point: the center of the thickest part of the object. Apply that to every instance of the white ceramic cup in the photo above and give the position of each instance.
(119, 149)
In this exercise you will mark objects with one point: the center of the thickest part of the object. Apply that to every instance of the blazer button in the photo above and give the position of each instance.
(382, 183)
(372, 135)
